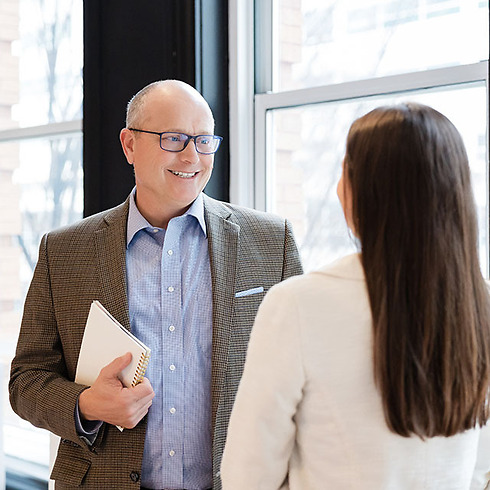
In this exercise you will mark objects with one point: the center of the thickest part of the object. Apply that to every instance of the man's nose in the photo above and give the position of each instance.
(190, 153)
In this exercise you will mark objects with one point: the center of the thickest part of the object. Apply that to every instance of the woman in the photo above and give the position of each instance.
(374, 372)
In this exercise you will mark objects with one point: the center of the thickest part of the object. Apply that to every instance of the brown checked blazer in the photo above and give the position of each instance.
(85, 262)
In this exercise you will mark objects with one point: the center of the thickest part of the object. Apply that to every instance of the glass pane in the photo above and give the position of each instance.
(42, 53)
(307, 148)
(321, 42)
(41, 189)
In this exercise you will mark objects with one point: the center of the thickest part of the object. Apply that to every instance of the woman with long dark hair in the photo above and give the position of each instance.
(374, 372)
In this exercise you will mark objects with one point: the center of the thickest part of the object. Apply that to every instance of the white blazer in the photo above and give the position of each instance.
(307, 413)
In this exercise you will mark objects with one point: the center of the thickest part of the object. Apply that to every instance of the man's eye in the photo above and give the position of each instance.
(204, 141)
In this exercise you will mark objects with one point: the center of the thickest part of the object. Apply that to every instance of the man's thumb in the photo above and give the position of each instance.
(117, 365)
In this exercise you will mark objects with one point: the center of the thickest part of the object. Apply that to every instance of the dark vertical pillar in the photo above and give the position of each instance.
(129, 44)
(212, 81)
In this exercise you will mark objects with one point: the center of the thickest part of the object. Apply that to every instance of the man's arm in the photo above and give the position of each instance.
(292, 263)
(41, 390)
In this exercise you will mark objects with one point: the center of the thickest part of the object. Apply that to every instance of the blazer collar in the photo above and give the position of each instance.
(347, 267)
(217, 208)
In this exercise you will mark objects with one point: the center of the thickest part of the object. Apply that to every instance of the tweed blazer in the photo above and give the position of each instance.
(87, 261)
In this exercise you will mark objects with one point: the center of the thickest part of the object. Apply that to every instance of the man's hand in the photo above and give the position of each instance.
(108, 400)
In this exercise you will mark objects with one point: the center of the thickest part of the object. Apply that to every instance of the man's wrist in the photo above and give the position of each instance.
(86, 429)
(83, 404)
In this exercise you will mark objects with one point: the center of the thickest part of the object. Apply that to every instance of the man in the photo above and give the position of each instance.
(186, 273)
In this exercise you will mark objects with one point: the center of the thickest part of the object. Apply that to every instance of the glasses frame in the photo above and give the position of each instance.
(188, 138)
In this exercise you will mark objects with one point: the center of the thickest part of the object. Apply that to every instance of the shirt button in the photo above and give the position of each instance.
(171, 367)
(155, 230)
(172, 410)
(170, 252)
(134, 475)
(171, 452)
(170, 289)
(171, 328)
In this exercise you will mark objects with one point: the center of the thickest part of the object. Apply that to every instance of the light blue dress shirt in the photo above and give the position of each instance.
(170, 309)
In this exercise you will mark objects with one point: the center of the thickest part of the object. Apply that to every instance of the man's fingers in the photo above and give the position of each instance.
(139, 415)
(144, 388)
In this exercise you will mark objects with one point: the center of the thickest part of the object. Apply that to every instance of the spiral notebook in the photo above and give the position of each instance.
(105, 339)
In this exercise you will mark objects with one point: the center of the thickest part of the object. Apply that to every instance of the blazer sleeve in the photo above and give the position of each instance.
(481, 474)
(292, 263)
(261, 434)
(39, 389)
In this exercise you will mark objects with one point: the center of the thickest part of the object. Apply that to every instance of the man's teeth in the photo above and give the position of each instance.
(184, 175)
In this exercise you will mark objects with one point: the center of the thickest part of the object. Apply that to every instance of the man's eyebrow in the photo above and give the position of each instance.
(185, 132)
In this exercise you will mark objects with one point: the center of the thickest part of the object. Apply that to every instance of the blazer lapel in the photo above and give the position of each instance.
(223, 241)
(110, 246)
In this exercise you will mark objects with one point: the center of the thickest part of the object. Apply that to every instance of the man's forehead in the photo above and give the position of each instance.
(179, 113)
(179, 94)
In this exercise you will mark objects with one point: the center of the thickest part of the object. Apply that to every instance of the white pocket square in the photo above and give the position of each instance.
(248, 292)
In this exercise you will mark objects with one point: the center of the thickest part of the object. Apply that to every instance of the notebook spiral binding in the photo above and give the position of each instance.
(141, 369)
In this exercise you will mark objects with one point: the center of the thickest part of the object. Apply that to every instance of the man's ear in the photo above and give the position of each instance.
(127, 142)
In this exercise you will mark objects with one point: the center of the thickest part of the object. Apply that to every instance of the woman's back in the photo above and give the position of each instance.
(310, 358)
(342, 433)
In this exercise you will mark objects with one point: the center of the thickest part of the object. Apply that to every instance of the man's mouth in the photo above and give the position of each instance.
(184, 175)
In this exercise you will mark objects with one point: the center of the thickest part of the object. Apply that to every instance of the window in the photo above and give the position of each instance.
(318, 65)
(41, 182)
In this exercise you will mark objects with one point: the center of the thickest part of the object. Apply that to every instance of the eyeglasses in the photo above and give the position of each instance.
(207, 144)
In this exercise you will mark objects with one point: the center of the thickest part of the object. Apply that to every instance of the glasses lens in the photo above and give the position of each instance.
(207, 143)
(173, 141)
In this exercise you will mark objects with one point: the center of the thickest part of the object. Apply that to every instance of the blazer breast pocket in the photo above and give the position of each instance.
(247, 303)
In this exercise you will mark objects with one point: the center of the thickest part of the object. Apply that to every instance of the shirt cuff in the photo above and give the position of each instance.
(88, 429)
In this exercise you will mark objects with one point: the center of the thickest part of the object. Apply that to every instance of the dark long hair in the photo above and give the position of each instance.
(414, 214)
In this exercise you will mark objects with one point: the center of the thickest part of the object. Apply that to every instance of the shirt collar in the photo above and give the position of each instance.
(137, 222)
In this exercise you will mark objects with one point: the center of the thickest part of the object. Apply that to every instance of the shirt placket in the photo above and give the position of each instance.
(173, 355)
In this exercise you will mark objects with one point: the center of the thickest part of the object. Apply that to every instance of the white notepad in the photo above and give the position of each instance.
(105, 339)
